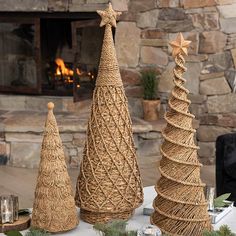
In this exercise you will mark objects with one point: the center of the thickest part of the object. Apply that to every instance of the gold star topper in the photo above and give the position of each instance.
(179, 45)
(109, 16)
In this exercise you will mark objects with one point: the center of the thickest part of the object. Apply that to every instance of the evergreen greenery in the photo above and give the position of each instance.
(32, 232)
(224, 230)
(114, 228)
(149, 80)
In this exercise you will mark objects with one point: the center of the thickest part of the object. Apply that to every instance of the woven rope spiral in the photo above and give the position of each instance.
(180, 207)
(54, 207)
(109, 184)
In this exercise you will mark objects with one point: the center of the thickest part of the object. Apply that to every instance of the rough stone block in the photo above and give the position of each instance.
(12, 102)
(130, 77)
(172, 14)
(127, 36)
(225, 2)
(155, 42)
(233, 53)
(134, 91)
(207, 149)
(209, 44)
(24, 137)
(167, 3)
(166, 84)
(153, 34)
(227, 120)
(197, 98)
(198, 3)
(25, 154)
(207, 133)
(142, 5)
(206, 20)
(150, 135)
(66, 137)
(173, 26)
(121, 5)
(58, 5)
(215, 86)
(192, 76)
(222, 103)
(148, 19)
(152, 55)
(227, 11)
(148, 148)
(222, 60)
(24, 5)
(4, 153)
(228, 25)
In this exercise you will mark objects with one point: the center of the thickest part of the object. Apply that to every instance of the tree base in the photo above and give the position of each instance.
(103, 217)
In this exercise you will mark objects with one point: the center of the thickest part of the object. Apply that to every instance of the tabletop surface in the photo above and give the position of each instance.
(139, 220)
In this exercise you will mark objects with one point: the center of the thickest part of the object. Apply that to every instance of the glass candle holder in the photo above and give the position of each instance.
(7, 209)
(15, 206)
(210, 198)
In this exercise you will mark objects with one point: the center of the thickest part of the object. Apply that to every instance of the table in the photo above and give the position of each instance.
(139, 220)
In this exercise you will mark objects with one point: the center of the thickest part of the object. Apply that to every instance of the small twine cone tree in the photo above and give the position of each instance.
(109, 184)
(180, 207)
(54, 207)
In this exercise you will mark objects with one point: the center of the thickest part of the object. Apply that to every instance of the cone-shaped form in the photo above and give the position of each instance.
(54, 207)
(109, 184)
(180, 206)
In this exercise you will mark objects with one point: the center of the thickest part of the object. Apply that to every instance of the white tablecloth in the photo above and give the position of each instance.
(139, 220)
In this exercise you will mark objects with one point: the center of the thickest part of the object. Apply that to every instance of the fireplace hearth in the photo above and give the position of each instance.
(49, 54)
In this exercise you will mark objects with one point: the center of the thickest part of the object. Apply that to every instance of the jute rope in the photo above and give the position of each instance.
(54, 207)
(109, 184)
(180, 206)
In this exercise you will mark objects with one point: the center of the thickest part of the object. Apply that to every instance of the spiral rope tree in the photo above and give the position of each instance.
(54, 207)
(180, 207)
(109, 184)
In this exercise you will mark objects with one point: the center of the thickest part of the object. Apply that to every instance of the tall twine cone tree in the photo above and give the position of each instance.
(54, 207)
(180, 207)
(109, 184)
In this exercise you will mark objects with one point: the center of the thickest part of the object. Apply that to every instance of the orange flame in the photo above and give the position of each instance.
(62, 69)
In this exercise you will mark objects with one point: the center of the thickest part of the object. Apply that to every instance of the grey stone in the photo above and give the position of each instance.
(58, 5)
(148, 19)
(25, 154)
(172, 14)
(198, 110)
(211, 75)
(227, 11)
(150, 135)
(72, 151)
(222, 103)
(167, 3)
(197, 98)
(121, 5)
(215, 86)
(192, 77)
(209, 119)
(154, 42)
(228, 25)
(207, 149)
(230, 75)
(222, 60)
(142, 5)
(127, 36)
(206, 21)
(208, 44)
(141, 126)
(12, 102)
(148, 148)
(24, 137)
(66, 137)
(196, 58)
(153, 56)
(135, 107)
(166, 79)
(175, 26)
(24, 5)
(207, 133)
(79, 139)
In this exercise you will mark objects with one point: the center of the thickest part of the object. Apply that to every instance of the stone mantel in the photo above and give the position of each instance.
(59, 5)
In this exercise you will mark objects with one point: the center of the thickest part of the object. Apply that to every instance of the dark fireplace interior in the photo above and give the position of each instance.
(50, 54)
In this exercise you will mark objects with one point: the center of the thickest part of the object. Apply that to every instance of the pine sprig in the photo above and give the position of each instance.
(114, 228)
(224, 230)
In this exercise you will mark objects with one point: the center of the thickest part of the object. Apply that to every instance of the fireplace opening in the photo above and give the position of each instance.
(56, 56)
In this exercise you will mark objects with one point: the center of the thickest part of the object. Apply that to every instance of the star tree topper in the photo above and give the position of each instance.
(109, 16)
(179, 45)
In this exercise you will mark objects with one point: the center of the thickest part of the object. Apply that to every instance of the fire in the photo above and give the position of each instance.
(62, 69)
(66, 74)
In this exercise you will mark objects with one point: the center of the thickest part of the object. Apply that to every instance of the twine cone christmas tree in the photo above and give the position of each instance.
(109, 184)
(54, 207)
(180, 207)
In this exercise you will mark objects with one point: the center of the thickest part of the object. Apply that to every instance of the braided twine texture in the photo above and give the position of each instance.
(109, 184)
(180, 206)
(54, 207)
